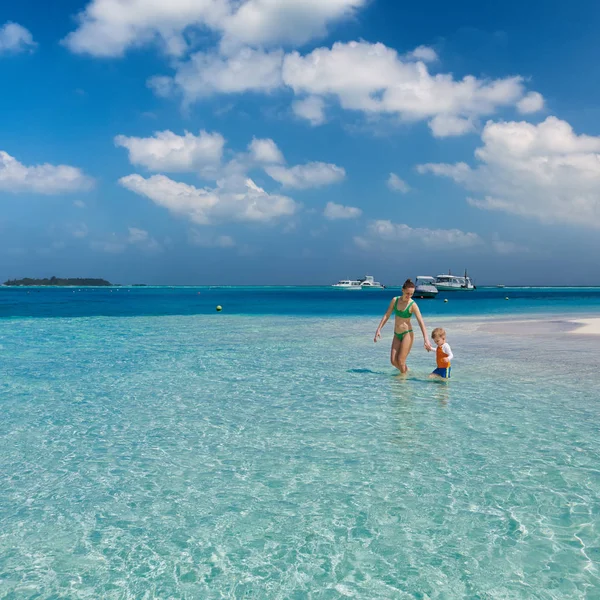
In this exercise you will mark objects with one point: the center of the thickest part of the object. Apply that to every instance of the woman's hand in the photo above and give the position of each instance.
(428, 346)
(377, 335)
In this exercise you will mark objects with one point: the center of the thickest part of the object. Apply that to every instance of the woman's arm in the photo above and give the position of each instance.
(417, 313)
(384, 320)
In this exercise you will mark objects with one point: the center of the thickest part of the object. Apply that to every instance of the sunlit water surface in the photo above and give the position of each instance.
(220, 456)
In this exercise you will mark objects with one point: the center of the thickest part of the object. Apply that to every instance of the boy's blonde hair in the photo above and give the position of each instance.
(437, 332)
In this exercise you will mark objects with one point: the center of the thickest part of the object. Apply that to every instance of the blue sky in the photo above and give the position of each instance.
(260, 141)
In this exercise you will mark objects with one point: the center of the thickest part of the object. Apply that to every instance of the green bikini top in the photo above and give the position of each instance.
(403, 314)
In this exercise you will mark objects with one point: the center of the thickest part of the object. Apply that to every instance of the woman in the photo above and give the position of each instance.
(403, 307)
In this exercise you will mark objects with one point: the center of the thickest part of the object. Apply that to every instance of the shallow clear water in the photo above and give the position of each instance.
(220, 456)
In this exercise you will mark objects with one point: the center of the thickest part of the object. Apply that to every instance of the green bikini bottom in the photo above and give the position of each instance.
(400, 336)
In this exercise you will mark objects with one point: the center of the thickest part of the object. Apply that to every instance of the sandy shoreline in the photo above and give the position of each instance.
(551, 325)
(587, 326)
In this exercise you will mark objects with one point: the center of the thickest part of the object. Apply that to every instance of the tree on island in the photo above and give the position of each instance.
(56, 281)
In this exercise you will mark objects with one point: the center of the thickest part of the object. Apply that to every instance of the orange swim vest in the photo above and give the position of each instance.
(439, 354)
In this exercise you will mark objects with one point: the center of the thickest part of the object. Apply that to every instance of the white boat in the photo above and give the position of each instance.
(366, 283)
(425, 287)
(348, 284)
(454, 283)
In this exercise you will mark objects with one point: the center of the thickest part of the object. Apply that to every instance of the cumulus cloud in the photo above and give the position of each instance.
(531, 103)
(293, 22)
(231, 200)
(445, 125)
(369, 78)
(312, 109)
(111, 27)
(373, 78)
(314, 174)
(335, 211)
(422, 53)
(15, 38)
(384, 231)
(265, 151)
(208, 73)
(40, 179)
(167, 151)
(396, 184)
(543, 171)
(107, 28)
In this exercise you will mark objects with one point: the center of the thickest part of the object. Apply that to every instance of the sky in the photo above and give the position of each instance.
(300, 141)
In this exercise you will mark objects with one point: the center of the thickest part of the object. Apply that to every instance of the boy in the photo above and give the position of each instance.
(443, 354)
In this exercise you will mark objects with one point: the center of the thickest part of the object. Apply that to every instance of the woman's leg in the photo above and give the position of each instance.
(395, 352)
(405, 346)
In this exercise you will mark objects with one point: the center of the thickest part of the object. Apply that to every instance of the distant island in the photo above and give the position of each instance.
(76, 281)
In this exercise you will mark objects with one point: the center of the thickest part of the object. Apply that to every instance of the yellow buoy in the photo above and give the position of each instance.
(219, 308)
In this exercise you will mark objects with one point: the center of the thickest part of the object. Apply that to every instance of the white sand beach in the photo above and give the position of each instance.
(587, 326)
(541, 326)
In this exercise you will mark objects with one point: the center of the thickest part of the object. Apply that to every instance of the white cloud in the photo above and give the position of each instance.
(365, 77)
(543, 171)
(162, 85)
(374, 79)
(312, 109)
(531, 103)
(397, 184)
(207, 73)
(14, 38)
(111, 27)
(384, 231)
(314, 174)
(231, 200)
(142, 239)
(335, 211)
(40, 179)
(137, 235)
(423, 53)
(79, 203)
(167, 151)
(445, 125)
(265, 151)
(293, 22)
(204, 240)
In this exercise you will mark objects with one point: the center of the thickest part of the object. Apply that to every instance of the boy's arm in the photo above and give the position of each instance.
(384, 320)
(447, 350)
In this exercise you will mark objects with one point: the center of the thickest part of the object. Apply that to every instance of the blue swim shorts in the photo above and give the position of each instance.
(443, 372)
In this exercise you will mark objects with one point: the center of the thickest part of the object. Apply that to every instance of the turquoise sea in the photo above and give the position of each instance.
(151, 447)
